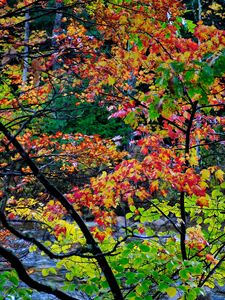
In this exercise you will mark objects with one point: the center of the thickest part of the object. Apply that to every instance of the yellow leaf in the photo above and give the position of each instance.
(111, 80)
(51, 202)
(193, 158)
(102, 63)
(45, 272)
(171, 292)
(104, 174)
(219, 175)
(110, 183)
(203, 184)
(71, 30)
(32, 248)
(138, 20)
(215, 6)
(205, 174)
(123, 20)
(210, 284)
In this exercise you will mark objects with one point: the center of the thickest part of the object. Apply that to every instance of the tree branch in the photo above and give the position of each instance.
(182, 195)
(102, 262)
(78, 252)
(19, 267)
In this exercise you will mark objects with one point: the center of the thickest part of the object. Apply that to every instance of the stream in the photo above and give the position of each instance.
(34, 260)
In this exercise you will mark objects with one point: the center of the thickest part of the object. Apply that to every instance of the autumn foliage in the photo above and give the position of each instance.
(162, 75)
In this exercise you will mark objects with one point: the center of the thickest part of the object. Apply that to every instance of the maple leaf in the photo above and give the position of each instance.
(135, 59)
(219, 175)
(111, 80)
(196, 238)
(205, 174)
(154, 186)
(202, 201)
(211, 258)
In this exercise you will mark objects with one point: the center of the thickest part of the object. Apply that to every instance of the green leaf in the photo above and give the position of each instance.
(162, 81)
(216, 193)
(204, 97)
(206, 75)
(69, 276)
(167, 36)
(131, 119)
(153, 112)
(105, 284)
(132, 296)
(118, 268)
(129, 215)
(89, 289)
(190, 25)
(45, 272)
(141, 289)
(163, 286)
(47, 243)
(124, 261)
(191, 295)
(144, 219)
(193, 91)
(177, 66)
(52, 270)
(14, 280)
(189, 75)
(164, 25)
(132, 208)
(141, 210)
(139, 44)
(68, 286)
(130, 275)
(184, 274)
(171, 265)
(219, 65)
(178, 88)
(144, 248)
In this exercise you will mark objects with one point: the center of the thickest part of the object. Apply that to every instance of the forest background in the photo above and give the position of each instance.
(112, 112)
